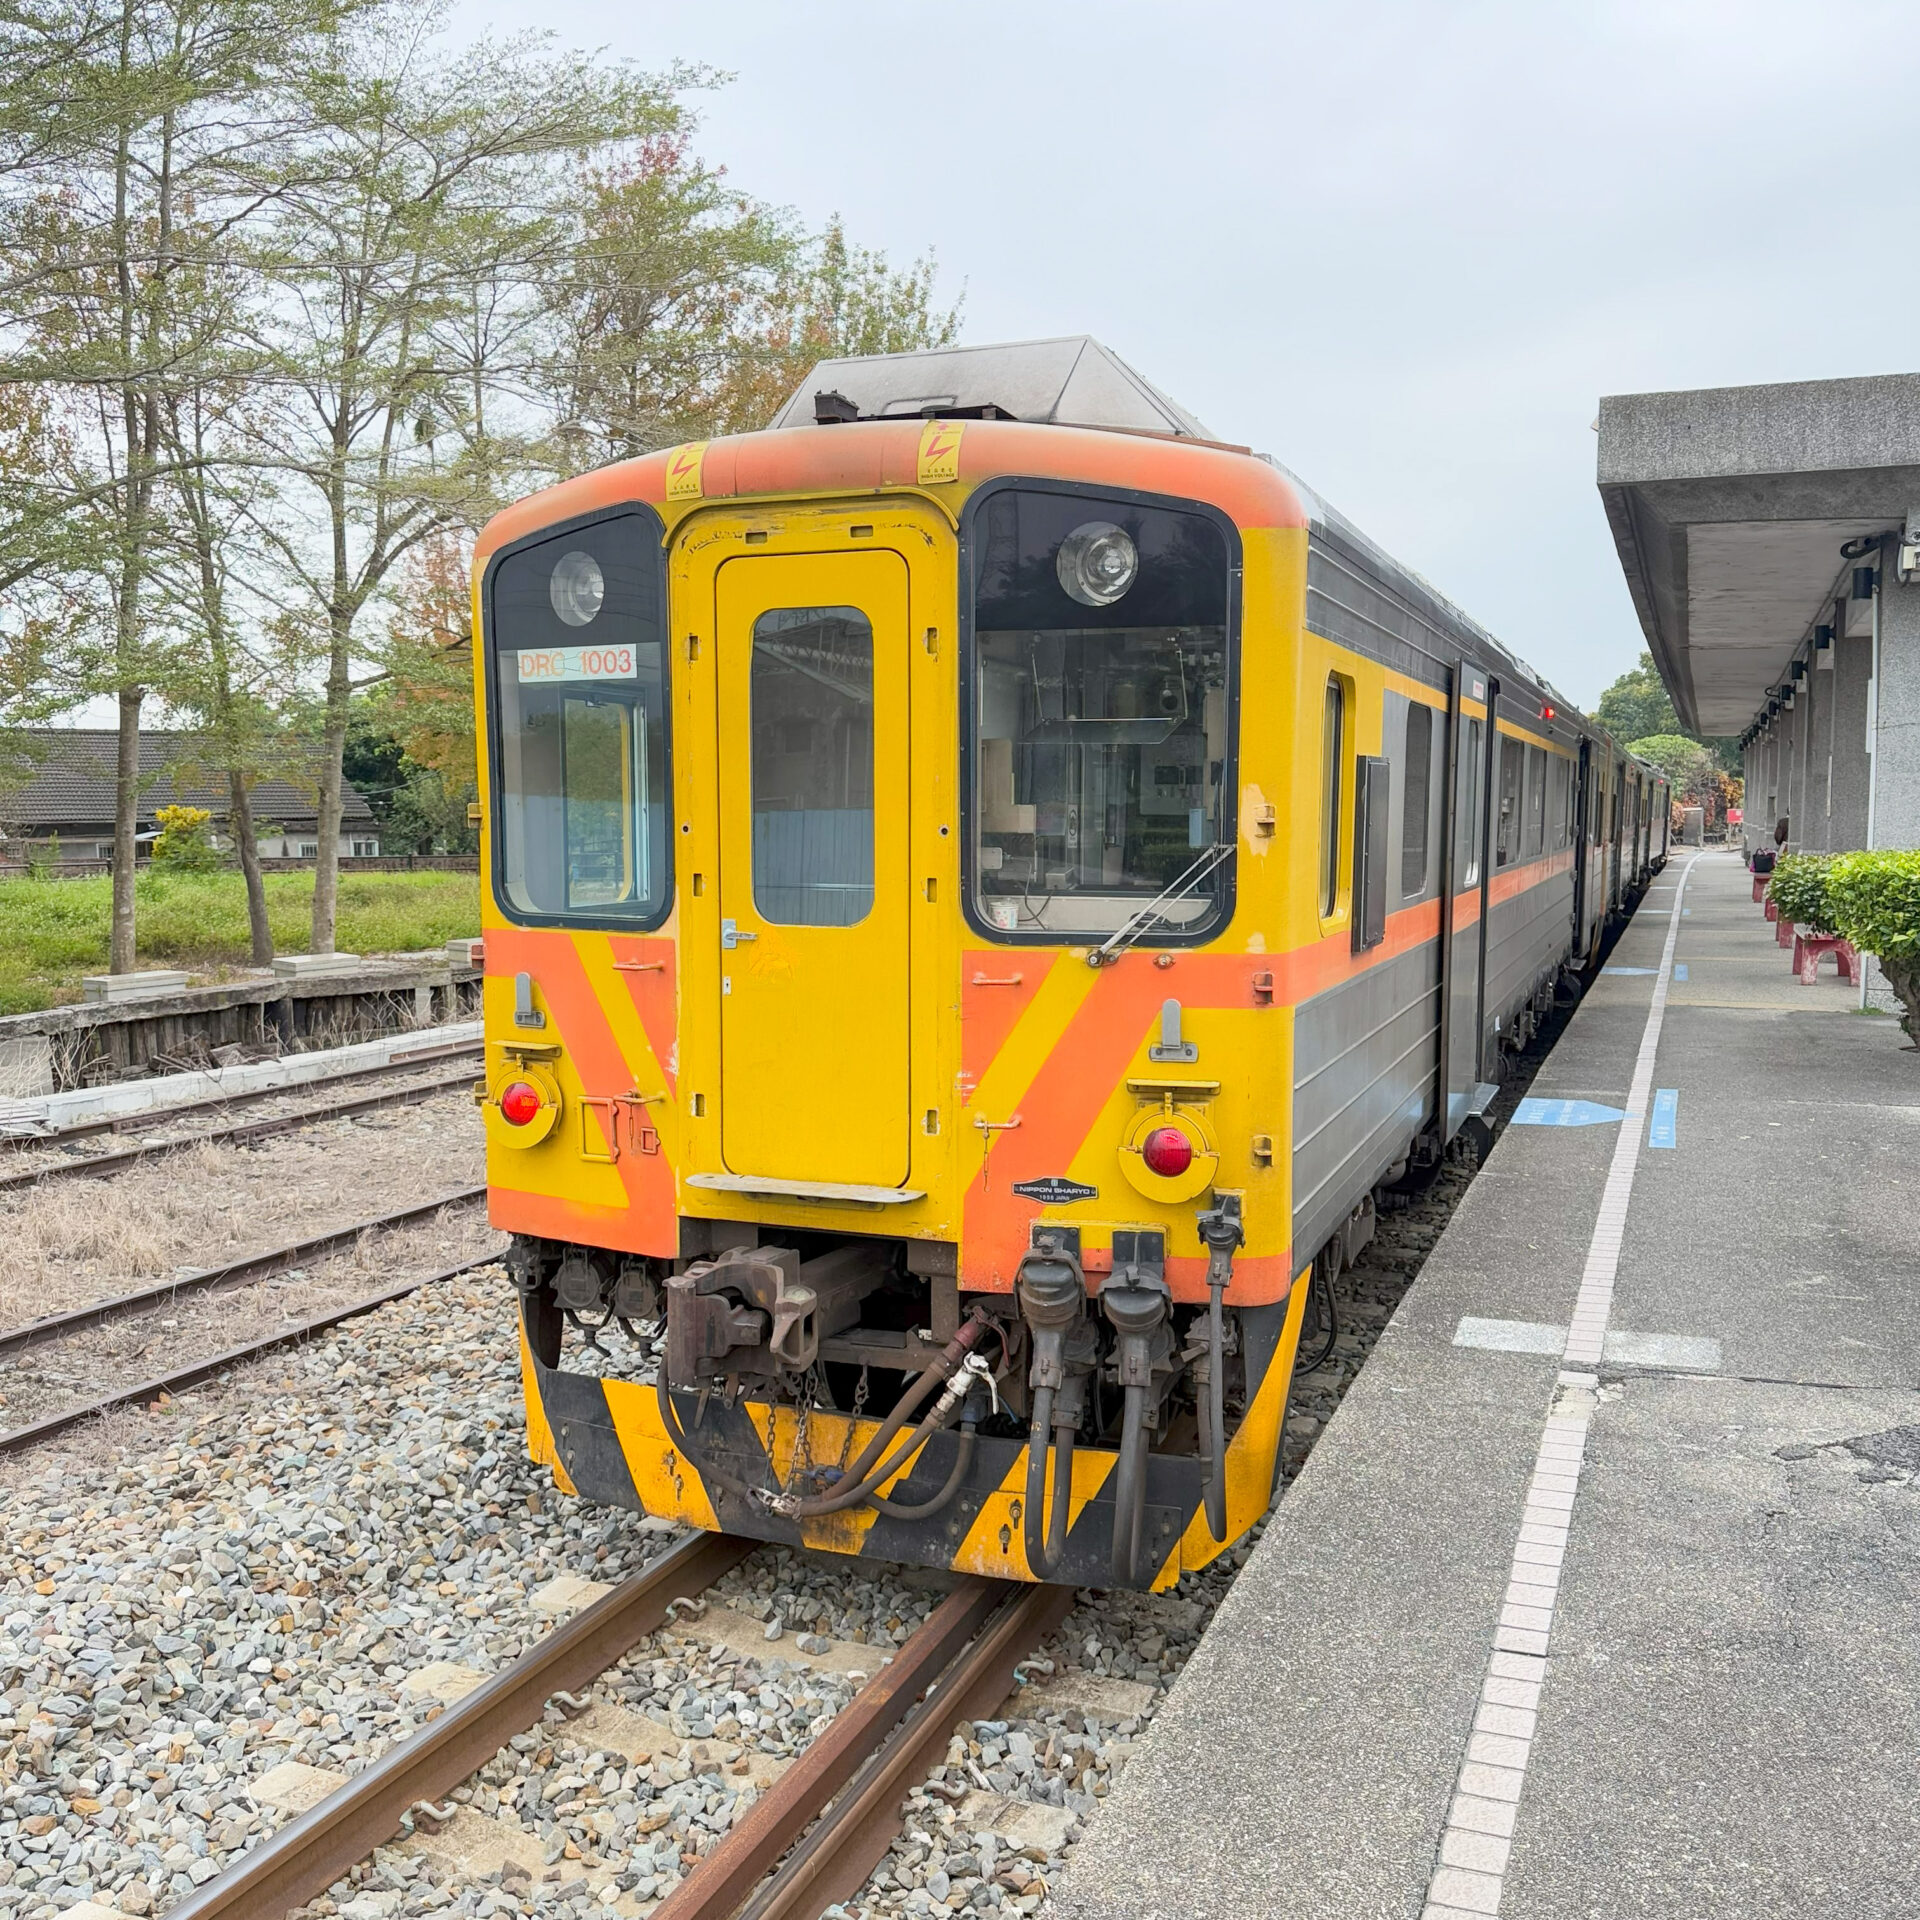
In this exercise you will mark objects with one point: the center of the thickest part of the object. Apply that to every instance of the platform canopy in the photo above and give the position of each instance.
(1731, 506)
(1072, 381)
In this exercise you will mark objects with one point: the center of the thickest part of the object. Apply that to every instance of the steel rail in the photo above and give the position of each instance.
(851, 1838)
(309, 1853)
(128, 1122)
(253, 1266)
(238, 1133)
(729, 1874)
(145, 1392)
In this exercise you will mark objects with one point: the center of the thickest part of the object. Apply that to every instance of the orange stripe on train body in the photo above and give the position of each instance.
(872, 456)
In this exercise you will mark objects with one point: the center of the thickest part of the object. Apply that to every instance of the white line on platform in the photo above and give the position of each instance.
(1470, 1875)
(1681, 1352)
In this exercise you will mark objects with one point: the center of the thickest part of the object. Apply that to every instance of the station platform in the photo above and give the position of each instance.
(1600, 1594)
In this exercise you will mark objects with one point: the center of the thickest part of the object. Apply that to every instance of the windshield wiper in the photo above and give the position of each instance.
(1138, 923)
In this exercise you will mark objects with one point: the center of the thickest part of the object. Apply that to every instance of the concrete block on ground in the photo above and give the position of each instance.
(642, 1738)
(443, 1681)
(303, 966)
(155, 983)
(293, 1787)
(566, 1593)
(465, 953)
(722, 1627)
(1022, 1823)
(1098, 1695)
(474, 1845)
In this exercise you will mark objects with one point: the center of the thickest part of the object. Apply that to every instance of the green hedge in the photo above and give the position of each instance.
(1798, 891)
(1875, 900)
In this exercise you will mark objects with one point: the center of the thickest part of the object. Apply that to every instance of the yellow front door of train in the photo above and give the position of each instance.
(812, 770)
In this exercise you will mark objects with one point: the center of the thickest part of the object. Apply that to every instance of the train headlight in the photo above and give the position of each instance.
(519, 1104)
(1167, 1152)
(1097, 563)
(577, 587)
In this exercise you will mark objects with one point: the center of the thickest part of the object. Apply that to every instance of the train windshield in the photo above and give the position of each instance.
(577, 678)
(1100, 714)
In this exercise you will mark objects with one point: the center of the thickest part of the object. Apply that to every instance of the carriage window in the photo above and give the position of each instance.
(1536, 801)
(1473, 813)
(576, 676)
(1417, 802)
(812, 700)
(1506, 836)
(1101, 776)
(1561, 806)
(1331, 755)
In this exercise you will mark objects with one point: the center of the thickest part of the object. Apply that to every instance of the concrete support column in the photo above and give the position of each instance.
(1810, 781)
(1896, 742)
(1847, 742)
(1894, 717)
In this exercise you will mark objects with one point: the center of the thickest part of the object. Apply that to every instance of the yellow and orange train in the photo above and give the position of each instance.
(984, 885)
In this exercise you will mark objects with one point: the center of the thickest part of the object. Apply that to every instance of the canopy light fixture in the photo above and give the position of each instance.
(1822, 639)
(1799, 669)
(1863, 583)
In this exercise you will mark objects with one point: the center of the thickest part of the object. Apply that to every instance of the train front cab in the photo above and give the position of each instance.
(915, 973)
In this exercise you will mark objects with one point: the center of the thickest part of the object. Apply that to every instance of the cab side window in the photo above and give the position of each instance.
(1417, 801)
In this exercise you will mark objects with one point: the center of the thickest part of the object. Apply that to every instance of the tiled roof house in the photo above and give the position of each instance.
(68, 795)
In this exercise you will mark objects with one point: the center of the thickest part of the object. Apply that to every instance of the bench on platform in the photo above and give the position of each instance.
(1760, 887)
(1807, 949)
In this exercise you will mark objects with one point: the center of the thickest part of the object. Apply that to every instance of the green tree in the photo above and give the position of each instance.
(1689, 767)
(690, 309)
(131, 137)
(427, 206)
(1636, 706)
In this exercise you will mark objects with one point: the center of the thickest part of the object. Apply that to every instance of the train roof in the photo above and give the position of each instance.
(1071, 381)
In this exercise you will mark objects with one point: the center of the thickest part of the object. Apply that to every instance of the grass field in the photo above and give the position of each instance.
(54, 931)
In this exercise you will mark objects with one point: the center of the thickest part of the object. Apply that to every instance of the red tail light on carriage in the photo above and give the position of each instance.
(1167, 1152)
(519, 1104)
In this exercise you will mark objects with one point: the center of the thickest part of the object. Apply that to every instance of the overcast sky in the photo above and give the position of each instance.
(1405, 248)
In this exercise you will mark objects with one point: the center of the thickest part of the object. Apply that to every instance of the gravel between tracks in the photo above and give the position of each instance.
(77, 1241)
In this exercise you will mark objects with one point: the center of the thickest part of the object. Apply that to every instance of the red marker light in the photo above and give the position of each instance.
(1546, 713)
(519, 1103)
(1167, 1152)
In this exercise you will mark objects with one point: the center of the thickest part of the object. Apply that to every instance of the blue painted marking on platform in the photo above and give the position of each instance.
(1624, 970)
(1664, 1130)
(1564, 1113)
(1680, 970)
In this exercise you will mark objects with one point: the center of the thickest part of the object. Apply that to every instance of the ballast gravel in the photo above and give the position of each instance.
(191, 1598)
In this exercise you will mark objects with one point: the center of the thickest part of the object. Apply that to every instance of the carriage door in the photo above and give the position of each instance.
(812, 775)
(1464, 899)
(1582, 859)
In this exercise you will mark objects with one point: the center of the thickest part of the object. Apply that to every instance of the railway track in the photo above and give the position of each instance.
(150, 1117)
(238, 1133)
(812, 1837)
(234, 1273)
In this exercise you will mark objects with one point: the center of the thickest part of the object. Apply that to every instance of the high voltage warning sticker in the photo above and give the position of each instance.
(683, 470)
(939, 452)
